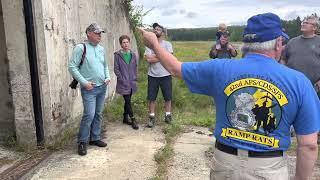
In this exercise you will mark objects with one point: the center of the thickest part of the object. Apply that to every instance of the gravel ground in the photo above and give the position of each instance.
(128, 156)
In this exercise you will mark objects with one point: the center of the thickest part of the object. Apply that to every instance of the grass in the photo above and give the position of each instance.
(163, 156)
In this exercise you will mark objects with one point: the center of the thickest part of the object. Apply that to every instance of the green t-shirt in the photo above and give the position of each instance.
(127, 57)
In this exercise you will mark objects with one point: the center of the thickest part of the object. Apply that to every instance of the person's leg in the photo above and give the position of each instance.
(134, 123)
(89, 108)
(166, 88)
(126, 109)
(167, 107)
(153, 88)
(96, 123)
(129, 107)
(89, 105)
(152, 107)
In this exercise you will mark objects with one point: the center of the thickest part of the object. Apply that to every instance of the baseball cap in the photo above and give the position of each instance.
(94, 27)
(154, 25)
(263, 27)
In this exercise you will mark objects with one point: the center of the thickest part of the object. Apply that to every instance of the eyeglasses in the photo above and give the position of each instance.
(306, 22)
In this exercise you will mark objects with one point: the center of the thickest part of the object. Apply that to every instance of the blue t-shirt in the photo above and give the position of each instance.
(257, 100)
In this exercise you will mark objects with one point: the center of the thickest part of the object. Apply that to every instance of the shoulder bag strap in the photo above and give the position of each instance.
(83, 54)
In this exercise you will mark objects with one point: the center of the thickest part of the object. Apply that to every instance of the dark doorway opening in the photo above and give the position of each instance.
(32, 54)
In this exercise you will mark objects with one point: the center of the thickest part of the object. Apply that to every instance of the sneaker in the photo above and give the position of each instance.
(168, 119)
(126, 119)
(134, 124)
(98, 143)
(151, 121)
(82, 149)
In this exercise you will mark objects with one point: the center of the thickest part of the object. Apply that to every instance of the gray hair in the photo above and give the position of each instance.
(259, 46)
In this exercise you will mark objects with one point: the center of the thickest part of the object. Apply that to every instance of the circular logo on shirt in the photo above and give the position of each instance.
(254, 105)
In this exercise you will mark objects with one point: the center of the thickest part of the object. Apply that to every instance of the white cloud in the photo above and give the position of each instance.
(209, 13)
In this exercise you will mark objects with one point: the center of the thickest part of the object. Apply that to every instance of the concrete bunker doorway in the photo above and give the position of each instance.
(32, 54)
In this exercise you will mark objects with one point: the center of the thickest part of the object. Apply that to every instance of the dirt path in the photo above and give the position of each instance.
(190, 162)
(129, 156)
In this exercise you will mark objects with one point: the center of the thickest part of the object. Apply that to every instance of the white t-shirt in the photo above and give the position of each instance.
(156, 69)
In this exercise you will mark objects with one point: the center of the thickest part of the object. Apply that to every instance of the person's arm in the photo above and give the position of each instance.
(307, 152)
(106, 71)
(151, 58)
(232, 50)
(116, 67)
(213, 52)
(306, 126)
(167, 60)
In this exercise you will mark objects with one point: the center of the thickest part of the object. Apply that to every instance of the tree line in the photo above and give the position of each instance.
(291, 27)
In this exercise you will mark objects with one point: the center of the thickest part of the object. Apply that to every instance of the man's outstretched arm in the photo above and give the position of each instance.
(167, 60)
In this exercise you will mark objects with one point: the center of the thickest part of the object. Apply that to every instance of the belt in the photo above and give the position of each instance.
(234, 151)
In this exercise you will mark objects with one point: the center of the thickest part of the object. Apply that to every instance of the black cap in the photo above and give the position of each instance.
(154, 25)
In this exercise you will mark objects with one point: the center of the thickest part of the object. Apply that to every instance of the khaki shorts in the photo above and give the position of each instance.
(241, 167)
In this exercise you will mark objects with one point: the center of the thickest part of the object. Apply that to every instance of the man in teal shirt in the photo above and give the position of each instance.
(93, 76)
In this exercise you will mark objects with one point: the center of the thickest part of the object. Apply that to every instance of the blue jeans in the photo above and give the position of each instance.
(93, 104)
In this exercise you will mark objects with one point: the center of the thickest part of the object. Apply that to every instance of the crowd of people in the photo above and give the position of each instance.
(258, 97)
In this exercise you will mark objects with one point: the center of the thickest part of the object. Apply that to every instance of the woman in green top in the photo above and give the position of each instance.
(125, 68)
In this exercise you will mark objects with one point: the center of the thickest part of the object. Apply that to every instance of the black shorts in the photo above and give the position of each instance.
(165, 83)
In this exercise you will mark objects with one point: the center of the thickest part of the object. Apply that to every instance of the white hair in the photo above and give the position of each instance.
(259, 46)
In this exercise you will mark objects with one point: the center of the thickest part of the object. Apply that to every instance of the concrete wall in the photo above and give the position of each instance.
(19, 74)
(59, 26)
(6, 104)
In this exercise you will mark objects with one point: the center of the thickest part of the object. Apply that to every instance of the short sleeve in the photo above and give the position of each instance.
(308, 116)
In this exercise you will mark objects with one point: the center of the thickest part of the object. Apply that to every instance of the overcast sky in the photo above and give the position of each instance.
(209, 13)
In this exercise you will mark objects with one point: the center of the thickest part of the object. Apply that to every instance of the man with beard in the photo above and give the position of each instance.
(158, 76)
(226, 50)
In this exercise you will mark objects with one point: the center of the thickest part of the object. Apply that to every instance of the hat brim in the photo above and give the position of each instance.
(99, 31)
(283, 34)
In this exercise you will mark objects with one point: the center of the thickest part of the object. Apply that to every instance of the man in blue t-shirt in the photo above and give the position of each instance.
(257, 100)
